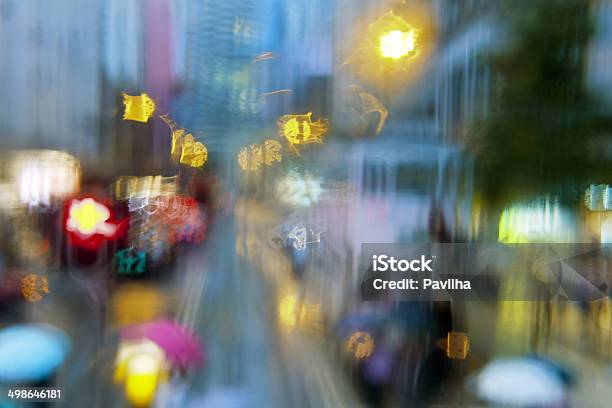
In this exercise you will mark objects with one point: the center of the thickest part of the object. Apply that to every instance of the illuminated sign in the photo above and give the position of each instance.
(89, 217)
(192, 153)
(299, 237)
(457, 345)
(298, 190)
(138, 108)
(252, 157)
(89, 223)
(130, 261)
(42, 176)
(272, 152)
(176, 207)
(126, 187)
(185, 149)
(301, 130)
(170, 207)
(360, 345)
(191, 227)
(541, 220)
(33, 286)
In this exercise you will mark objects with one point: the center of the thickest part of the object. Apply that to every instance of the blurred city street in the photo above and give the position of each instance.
(280, 203)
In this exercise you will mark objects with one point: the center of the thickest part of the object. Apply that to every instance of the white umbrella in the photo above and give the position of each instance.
(520, 382)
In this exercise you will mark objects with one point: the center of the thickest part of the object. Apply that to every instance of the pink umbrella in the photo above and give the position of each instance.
(181, 346)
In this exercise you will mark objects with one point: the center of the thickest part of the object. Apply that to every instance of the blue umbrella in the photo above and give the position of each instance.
(31, 353)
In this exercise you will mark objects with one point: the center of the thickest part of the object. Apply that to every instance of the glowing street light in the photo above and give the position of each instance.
(391, 46)
(397, 44)
(395, 39)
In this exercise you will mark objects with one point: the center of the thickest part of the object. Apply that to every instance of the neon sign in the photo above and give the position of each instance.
(360, 345)
(33, 286)
(126, 187)
(89, 223)
(138, 108)
(251, 158)
(130, 261)
(301, 130)
(299, 237)
(185, 149)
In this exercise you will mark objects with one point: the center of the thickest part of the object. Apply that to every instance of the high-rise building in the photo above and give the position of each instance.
(50, 64)
(218, 91)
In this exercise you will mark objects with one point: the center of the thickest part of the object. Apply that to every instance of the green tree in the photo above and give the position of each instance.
(545, 133)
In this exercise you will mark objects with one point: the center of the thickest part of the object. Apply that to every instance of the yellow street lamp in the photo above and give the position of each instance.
(396, 44)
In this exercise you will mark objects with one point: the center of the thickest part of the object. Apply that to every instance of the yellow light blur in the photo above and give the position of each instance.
(140, 389)
(138, 108)
(457, 345)
(193, 153)
(541, 220)
(142, 366)
(248, 159)
(185, 149)
(291, 129)
(177, 142)
(126, 187)
(200, 155)
(360, 345)
(89, 217)
(142, 378)
(32, 287)
(300, 129)
(289, 312)
(252, 157)
(391, 45)
(129, 350)
(135, 303)
(294, 312)
(272, 152)
(397, 44)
